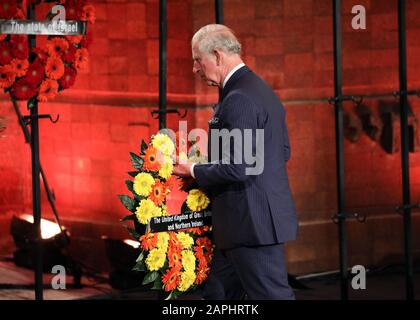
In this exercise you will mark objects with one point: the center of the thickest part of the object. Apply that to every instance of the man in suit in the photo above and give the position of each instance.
(253, 212)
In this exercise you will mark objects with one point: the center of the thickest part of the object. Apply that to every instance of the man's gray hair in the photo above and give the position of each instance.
(216, 36)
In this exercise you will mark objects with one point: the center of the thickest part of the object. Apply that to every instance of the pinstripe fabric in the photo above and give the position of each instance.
(250, 210)
(252, 215)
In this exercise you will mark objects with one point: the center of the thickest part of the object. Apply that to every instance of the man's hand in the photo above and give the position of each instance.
(182, 170)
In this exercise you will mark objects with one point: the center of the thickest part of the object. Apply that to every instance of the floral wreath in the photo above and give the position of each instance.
(175, 261)
(54, 67)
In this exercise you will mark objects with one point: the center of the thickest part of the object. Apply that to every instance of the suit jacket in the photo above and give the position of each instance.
(250, 210)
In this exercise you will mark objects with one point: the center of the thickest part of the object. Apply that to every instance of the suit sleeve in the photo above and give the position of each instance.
(238, 113)
(286, 143)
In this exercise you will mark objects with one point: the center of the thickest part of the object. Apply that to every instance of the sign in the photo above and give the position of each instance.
(180, 221)
(59, 28)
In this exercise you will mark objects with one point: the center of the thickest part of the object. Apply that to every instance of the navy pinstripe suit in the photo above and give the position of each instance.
(253, 215)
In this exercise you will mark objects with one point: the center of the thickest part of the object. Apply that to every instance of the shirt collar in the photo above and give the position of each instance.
(232, 72)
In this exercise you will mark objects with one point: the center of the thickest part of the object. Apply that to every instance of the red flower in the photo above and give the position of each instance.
(5, 53)
(8, 9)
(88, 14)
(57, 46)
(74, 9)
(41, 54)
(20, 66)
(171, 279)
(23, 90)
(148, 241)
(35, 73)
(82, 58)
(54, 68)
(68, 79)
(175, 258)
(201, 274)
(7, 76)
(69, 55)
(197, 231)
(20, 48)
(47, 90)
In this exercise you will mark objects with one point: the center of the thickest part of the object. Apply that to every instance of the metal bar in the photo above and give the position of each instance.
(402, 45)
(219, 11)
(340, 147)
(27, 135)
(36, 187)
(163, 25)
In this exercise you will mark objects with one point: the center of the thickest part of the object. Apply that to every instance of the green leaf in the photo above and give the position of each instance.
(157, 285)
(143, 146)
(140, 267)
(133, 173)
(150, 277)
(130, 186)
(129, 217)
(136, 160)
(132, 232)
(140, 257)
(173, 295)
(129, 203)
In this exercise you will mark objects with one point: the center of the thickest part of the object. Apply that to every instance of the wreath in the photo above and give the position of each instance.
(54, 66)
(175, 262)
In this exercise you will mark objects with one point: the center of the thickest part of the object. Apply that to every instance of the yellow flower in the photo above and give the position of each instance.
(143, 183)
(188, 260)
(164, 210)
(187, 279)
(197, 200)
(163, 143)
(166, 170)
(186, 240)
(162, 243)
(155, 259)
(146, 210)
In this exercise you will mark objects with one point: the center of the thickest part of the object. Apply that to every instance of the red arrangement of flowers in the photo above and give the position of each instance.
(54, 67)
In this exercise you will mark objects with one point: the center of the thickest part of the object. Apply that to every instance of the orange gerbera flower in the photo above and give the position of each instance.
(171, 279)
(174, 243)
(151, 161)
(172, 183)
(201, 274)
(7, 76)
(197, 231)
(82, 58)
(20, 66)
(57, 46)
(54, 68)
(148, 241)
(159, 192)
(175, 257)
(47, 90)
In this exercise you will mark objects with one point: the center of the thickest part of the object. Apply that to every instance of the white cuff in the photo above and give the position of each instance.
(192, 170)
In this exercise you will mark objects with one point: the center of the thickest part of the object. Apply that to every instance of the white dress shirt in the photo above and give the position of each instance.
(230, 74)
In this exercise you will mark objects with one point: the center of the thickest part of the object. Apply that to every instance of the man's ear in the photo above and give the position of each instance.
(218, 57)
